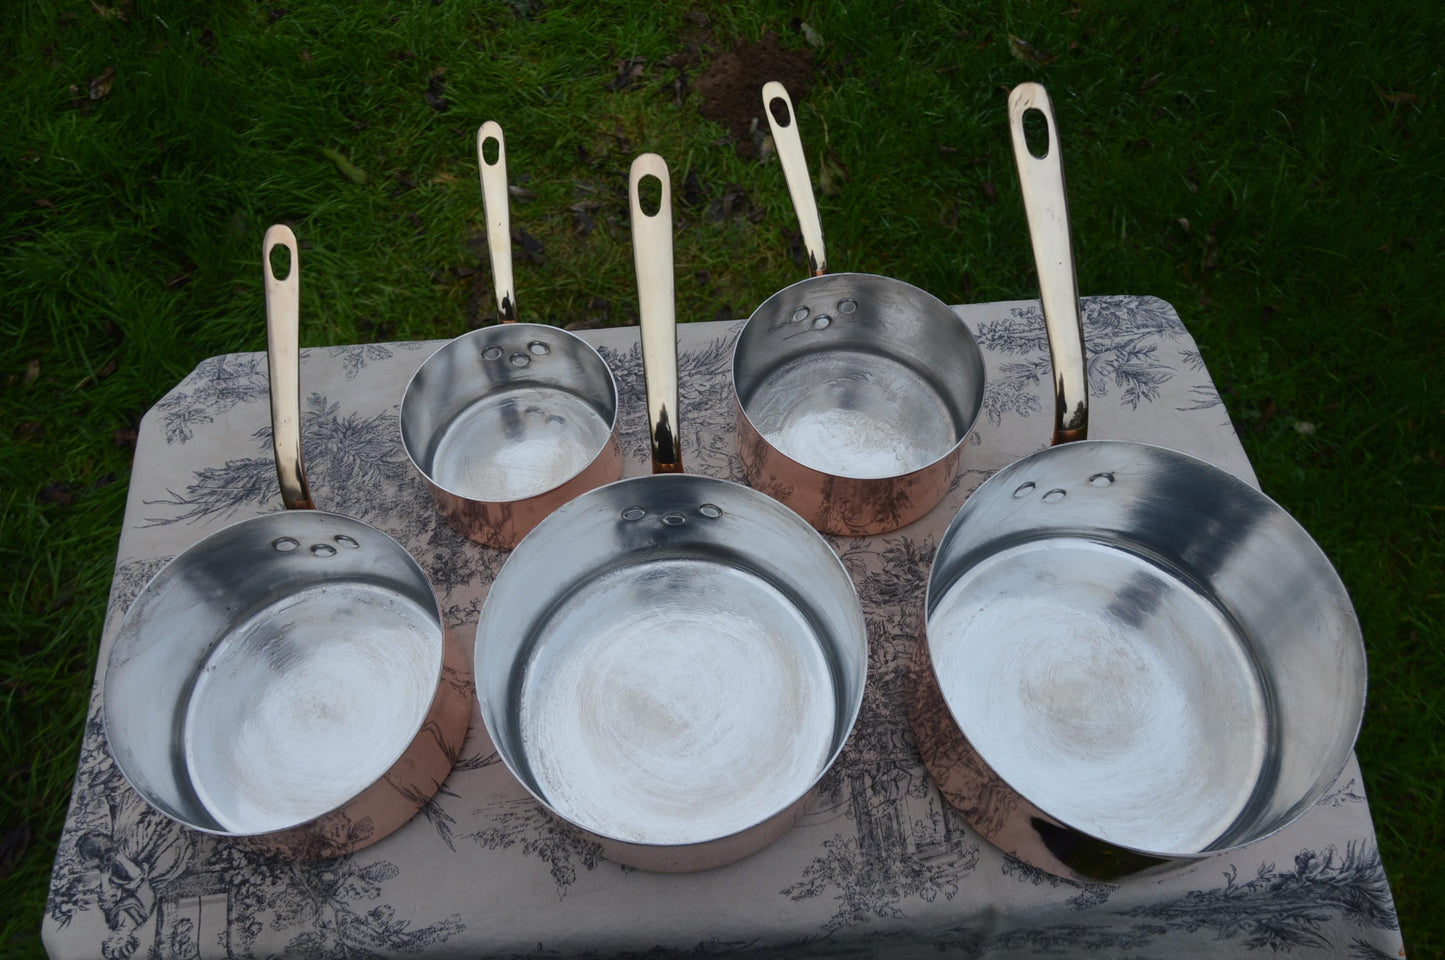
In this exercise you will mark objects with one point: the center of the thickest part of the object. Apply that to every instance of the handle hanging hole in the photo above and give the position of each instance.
(779, 108)
(280, 260)
(649, 195)
(491, 151)
(1036, 133)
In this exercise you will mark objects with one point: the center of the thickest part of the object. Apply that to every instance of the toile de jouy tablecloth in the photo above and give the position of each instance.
(879, 865)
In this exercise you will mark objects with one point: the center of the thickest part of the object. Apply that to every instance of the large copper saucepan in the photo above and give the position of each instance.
(509, 422)
(1133, 657)
(287, 681)
(670, 663)
(854, 392)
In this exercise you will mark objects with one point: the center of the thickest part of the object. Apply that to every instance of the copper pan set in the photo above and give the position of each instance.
(1132, 658)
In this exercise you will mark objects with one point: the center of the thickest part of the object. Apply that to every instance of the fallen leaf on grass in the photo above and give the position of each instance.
(1025, 52)
(100, 86)
(627, 71)
(99, 375)
(1391, 96)
(110, 13)
(693, 192)
(831, 174)
(182, 278)
(436, 90)
(763, 144)
(32, 372)
(404, 183)
(348, 169)
(532, 249)
(733, 201)
(57, 493)
(599, 309)
(948, 216)
(582, 223)
(811, 34)
(680, 88)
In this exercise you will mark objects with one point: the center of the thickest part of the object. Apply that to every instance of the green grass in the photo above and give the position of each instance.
(1272, 170)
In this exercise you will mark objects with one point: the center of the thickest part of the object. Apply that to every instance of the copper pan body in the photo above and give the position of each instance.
(288, 681)
(669, 664)
(507, 423)
(855, 393)
(1134, 659)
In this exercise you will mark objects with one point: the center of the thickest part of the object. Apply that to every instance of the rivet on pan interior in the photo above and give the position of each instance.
(634, 513)
(710, 510)
(323, 550)
(847, 306)
(492, 352)
(285, 544)
(673, 519)
(820, 322)
(1024, 490)
(1055, 495)
(346, 541)
(538, 348)
(1102, 479)
(519, 359)
(799, 315)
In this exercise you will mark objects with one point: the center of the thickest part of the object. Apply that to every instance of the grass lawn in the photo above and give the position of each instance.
(1273, 170)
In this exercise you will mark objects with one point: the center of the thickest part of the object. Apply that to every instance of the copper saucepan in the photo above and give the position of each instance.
(1134, 659)
(287, 681)
(509, 422)
(670, 663)
(854, 392)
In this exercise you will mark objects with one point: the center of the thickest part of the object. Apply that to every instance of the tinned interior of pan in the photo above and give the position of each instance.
(1148, 649)
(858, 376)
(508, 412)
(273, 672)
(670, 660)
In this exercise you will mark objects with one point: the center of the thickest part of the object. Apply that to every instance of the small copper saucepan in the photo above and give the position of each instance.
(288, 680)
(509, 422)
(1134, 658)
(854, 392)
(670, 663)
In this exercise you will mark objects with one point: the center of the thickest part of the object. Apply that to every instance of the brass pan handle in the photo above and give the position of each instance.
(283, 364)
(795, 170)
(652, 256)
(1046, 205)
(495, 207)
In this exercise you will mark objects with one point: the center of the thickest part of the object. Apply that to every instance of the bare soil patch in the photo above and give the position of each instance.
(731, 86)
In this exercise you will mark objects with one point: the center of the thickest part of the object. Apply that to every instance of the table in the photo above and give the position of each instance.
(879, 865)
